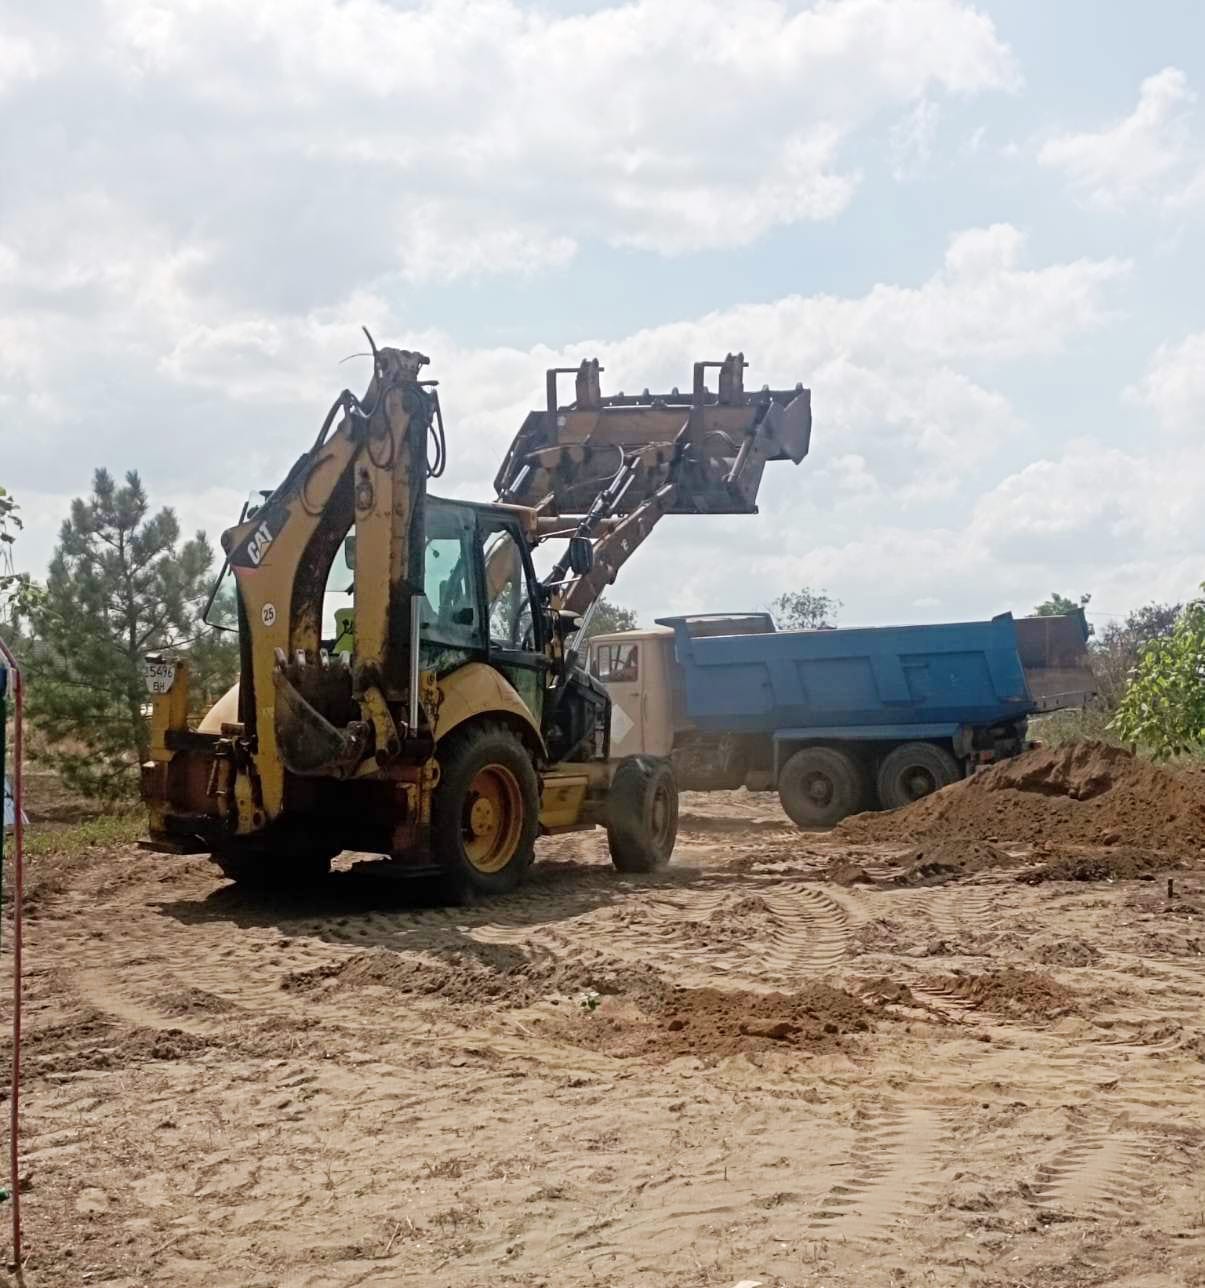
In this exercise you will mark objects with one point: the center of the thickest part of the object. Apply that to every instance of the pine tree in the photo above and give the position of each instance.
(213, 657)
(120, 586)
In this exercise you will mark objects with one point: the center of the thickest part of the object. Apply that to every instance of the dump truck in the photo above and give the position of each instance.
(408, 686)
(836, 720)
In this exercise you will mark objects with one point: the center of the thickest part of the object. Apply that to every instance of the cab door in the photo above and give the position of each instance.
(511, 610)
(617, 664)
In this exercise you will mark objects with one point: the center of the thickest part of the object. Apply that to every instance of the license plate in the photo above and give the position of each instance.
(159, 676)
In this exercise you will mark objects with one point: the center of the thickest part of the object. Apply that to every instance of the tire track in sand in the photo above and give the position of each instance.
(893, 1170)
(1095, 1176)
(955, 910)
(767, 937)
(748, 934)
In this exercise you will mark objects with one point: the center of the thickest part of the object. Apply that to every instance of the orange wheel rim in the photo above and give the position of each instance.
(492, 818)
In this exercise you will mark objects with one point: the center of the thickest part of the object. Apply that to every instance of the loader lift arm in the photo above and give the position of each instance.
(696, 453)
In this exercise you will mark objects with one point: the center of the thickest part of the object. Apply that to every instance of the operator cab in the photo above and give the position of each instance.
(481, 602)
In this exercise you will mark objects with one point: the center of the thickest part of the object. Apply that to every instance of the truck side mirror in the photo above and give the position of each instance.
(581, 555)
(349, 550)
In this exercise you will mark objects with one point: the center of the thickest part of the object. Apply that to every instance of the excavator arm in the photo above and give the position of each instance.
(369, 473)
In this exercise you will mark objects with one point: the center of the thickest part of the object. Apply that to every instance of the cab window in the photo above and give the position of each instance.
(510, 620)
(617, 663)
(451, 612)
(338, 605)
(451, 608)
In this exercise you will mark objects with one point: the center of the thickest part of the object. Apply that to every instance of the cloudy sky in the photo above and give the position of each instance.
(977, 232)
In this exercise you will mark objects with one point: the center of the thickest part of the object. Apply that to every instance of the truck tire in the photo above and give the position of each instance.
(642, 814)
(485, 811)
(819, 786)
(913, 770)
(277, 866)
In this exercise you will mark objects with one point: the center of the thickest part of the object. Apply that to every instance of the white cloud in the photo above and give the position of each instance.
(187, 267)
(1144, 157)
(913, 137)
(1120, 525)
(1174, 386)
(465, 138)
(884, 365)
(24, 59)
(203, 400)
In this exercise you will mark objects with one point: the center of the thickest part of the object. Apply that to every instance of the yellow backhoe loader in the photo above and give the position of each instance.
(438, 715)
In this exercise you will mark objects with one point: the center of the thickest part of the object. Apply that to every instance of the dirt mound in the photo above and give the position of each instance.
(1010, 991)
(1101, 865)
(845, 873)
(731, 924)
(1080, 792)
(948, 858)
(1065, 952)
(710, 1023)
(483, 974)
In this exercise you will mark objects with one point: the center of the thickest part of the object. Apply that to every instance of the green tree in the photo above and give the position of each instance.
(805, 610)
(18, 591)
(1163, 708)
(1060, 605)
(10, 525)
(1118, 646)
(120, 585)
(609, 618)
(213, 657)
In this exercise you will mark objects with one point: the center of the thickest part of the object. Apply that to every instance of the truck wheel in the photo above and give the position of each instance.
(819, 786)
(642, 814)
(273, 867)
(485, 811)
(913, 770)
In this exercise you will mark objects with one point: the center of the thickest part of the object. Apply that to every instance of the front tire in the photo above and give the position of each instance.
(819, 786)
(642, 814)
(915, 770)
(485, 812)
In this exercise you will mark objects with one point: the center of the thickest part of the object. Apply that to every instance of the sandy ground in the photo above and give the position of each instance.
(740, 1069)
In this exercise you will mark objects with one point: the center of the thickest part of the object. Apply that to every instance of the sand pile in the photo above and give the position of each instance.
(1112, 864)
(948, 858)
(477, 974)
(710, 1023)
(1010, 991)
(1087, 792)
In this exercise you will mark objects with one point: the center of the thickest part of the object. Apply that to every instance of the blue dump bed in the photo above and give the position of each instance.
(967, 673)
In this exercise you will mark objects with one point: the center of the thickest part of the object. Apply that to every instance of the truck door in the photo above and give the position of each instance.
(617, 664)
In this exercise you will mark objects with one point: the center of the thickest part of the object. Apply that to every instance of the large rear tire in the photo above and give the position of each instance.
(485, 812)
(819, 786)
(642, 814)
(914, 770)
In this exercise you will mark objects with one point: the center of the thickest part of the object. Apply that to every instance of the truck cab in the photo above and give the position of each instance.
(649, 715)
(637, 669)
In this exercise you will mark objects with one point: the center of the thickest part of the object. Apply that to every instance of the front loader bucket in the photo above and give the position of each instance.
(710, 446)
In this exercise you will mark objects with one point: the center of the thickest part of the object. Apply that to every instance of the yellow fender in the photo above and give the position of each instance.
(476, 690)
